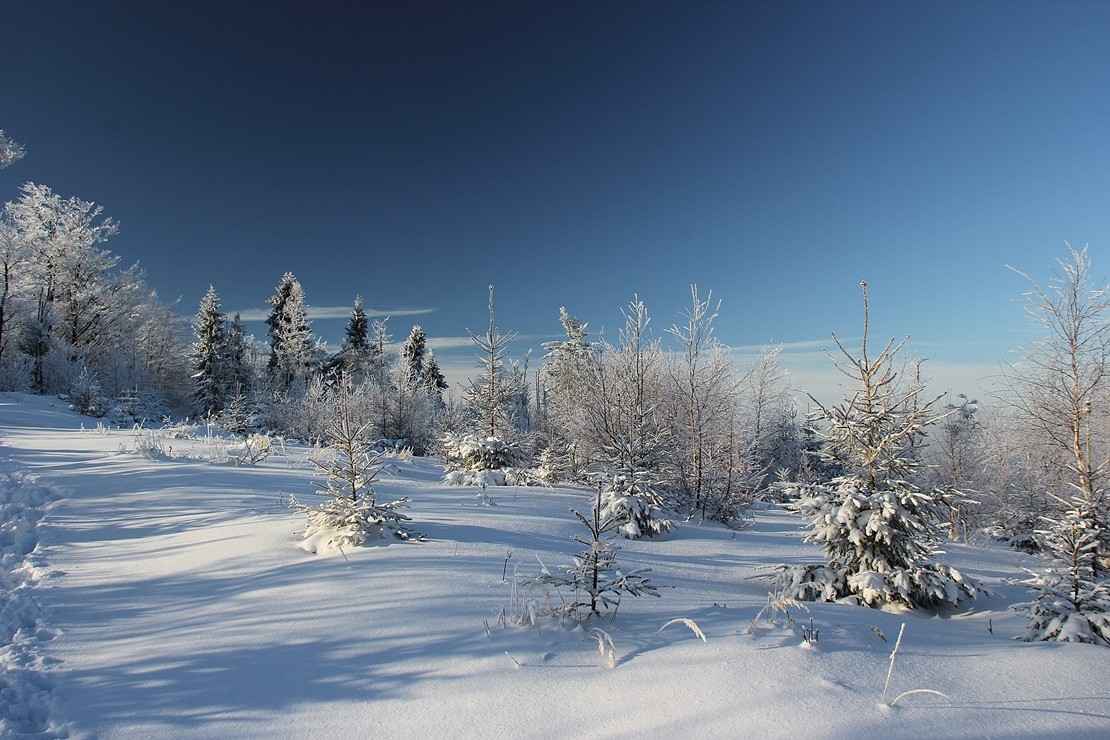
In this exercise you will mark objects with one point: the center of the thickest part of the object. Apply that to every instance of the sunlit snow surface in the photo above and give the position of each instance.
(168, 596)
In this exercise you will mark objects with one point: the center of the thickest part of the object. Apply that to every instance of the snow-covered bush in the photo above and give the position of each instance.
(476, 461)
(254, 449)
(343, 522)
(593, 583)
(635, 499)
(85, 395)
(149, 444)
(1073, 595)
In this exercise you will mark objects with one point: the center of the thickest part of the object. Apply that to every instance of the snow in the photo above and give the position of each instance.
(168, 596)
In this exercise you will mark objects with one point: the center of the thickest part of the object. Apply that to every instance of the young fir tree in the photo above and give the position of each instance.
(352, 515)
(240, 363)
(357, 350)
(357, 338)
(1073, 595)
(492, 393)
(292, 349)
(638, 500)
(879, 529)
(210, 381)
(596, 582)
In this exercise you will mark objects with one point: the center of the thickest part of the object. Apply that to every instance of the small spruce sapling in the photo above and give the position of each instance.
(352, 515)
(594, 578)
(1073, 595)
(636, 498)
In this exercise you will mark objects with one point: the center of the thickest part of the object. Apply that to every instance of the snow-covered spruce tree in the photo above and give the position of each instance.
(210, 382)
(593, 580)
(878, 528)
(471, 460)
(242, 371)
(292, 348)
(636, 499)
(485, 457)
(492, 392)
(413, 350)
(433, 378)
(421, 365)
(1073, 595)
(352, 515)
(354, 359)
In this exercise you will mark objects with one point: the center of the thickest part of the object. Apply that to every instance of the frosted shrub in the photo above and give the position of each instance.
(637, 501)
(150, 445)
(255, 448)
(85, 395)
(475, 461)
(342, 522)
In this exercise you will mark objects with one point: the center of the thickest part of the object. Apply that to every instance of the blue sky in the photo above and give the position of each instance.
(577, 154)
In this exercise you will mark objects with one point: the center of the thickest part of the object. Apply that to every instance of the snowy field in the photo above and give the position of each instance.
(167, 595)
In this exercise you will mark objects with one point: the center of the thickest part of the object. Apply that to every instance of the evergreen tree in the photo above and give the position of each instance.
(877, 526)
(353, 361)
(1073, 595)
(240, 353)
(413, 351)
(358, 329)
(594, 578)
(433, 379)
(292, 350)
(492, 393)
(210, 381)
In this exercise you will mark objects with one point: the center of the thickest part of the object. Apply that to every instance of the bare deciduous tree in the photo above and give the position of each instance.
(1059, 385)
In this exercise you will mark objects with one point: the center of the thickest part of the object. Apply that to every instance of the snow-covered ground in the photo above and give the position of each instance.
(166, 595)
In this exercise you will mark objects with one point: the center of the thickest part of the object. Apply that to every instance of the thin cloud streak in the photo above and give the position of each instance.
(337, 312)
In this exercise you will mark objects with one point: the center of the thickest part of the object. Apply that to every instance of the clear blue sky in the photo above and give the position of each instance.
(578, 153)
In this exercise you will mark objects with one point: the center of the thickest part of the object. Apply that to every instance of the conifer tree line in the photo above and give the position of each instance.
(663, 424)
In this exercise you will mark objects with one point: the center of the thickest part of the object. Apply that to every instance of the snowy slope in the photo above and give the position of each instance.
(169, 596)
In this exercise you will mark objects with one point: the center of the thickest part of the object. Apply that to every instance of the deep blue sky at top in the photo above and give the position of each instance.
(578, 153)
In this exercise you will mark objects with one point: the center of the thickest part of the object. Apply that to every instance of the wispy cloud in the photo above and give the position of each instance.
(336, 312)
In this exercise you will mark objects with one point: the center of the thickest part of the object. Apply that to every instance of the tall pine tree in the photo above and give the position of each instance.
(210, 378)
(292, 353)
